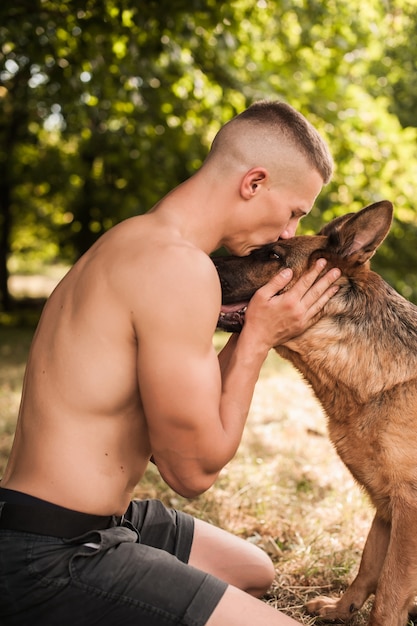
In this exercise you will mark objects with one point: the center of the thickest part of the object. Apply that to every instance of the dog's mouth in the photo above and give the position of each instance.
(232, 317)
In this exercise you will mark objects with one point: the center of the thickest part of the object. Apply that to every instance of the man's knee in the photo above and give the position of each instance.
(261, 574)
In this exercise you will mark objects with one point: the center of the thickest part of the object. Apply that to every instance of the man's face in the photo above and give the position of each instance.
(276, 212)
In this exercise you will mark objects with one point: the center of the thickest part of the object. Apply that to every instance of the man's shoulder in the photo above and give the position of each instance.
(143, 260)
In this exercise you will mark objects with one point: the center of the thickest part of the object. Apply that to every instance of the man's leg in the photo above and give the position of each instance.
(237, 608)
(231, 559)
(246, 568)
(202, 545)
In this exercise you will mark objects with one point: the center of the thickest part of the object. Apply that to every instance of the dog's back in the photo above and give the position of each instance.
(360, 358)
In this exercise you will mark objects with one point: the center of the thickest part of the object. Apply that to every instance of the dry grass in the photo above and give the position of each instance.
(286, 490)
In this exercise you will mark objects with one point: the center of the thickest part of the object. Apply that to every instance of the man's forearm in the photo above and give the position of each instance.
(240, 368)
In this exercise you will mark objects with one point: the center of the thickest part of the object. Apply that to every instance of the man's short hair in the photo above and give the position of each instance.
(280, 121)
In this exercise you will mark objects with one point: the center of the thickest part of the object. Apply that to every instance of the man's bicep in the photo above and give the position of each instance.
(181, 398)
(174, 323)
(177, 382)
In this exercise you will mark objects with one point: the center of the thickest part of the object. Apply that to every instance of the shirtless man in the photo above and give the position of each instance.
(122, 368)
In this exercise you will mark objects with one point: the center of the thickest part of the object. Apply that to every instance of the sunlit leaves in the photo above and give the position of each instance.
(113, 103)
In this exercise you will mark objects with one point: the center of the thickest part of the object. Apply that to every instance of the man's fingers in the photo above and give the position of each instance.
(317, 305)
(276, 283)
(307, 280)
(304, 284)
(322, 290)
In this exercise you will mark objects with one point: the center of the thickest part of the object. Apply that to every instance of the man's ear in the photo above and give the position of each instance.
(251, 182)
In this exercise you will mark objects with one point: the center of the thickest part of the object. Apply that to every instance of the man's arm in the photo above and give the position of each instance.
(195, 409)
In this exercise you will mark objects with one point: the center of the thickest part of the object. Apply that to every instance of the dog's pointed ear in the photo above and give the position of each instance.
(358, 235)
(335, 225)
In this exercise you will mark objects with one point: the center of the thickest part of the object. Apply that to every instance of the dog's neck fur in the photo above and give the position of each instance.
(359, 358)
(363, 312)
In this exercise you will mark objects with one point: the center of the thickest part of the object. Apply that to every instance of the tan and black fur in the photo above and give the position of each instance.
(360, 358)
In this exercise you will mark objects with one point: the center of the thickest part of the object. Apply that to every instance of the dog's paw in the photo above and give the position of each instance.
(329, 609)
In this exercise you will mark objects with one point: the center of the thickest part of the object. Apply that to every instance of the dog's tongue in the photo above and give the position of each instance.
(232, 308)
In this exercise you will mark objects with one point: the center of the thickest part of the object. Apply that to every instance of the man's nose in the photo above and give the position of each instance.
(289, 231)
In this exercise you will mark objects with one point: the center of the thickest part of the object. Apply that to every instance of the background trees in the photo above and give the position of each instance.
(105, 105)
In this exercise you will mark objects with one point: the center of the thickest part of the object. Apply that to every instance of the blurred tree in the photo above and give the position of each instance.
(100, 103)
(107, 104)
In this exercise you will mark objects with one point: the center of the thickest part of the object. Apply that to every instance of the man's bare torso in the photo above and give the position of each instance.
(81, 439)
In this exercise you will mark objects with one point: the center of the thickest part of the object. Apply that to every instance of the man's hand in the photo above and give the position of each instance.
(275, 319)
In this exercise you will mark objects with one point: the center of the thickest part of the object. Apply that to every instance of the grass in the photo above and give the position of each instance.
(286, 490)
(14, 347)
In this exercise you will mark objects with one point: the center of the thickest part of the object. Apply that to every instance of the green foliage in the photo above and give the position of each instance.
(105, 106)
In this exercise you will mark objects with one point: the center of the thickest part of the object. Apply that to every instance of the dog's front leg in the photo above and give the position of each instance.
(365, 582)
(397, 585)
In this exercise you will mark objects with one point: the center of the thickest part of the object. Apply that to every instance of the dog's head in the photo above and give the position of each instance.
(347, 242)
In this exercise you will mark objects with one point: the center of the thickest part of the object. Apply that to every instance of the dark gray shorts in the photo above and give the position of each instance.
(133, 574)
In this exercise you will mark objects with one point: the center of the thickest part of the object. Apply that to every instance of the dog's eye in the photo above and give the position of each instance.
(275, 256)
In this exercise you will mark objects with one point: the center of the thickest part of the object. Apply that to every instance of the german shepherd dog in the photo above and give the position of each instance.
(360, 358)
